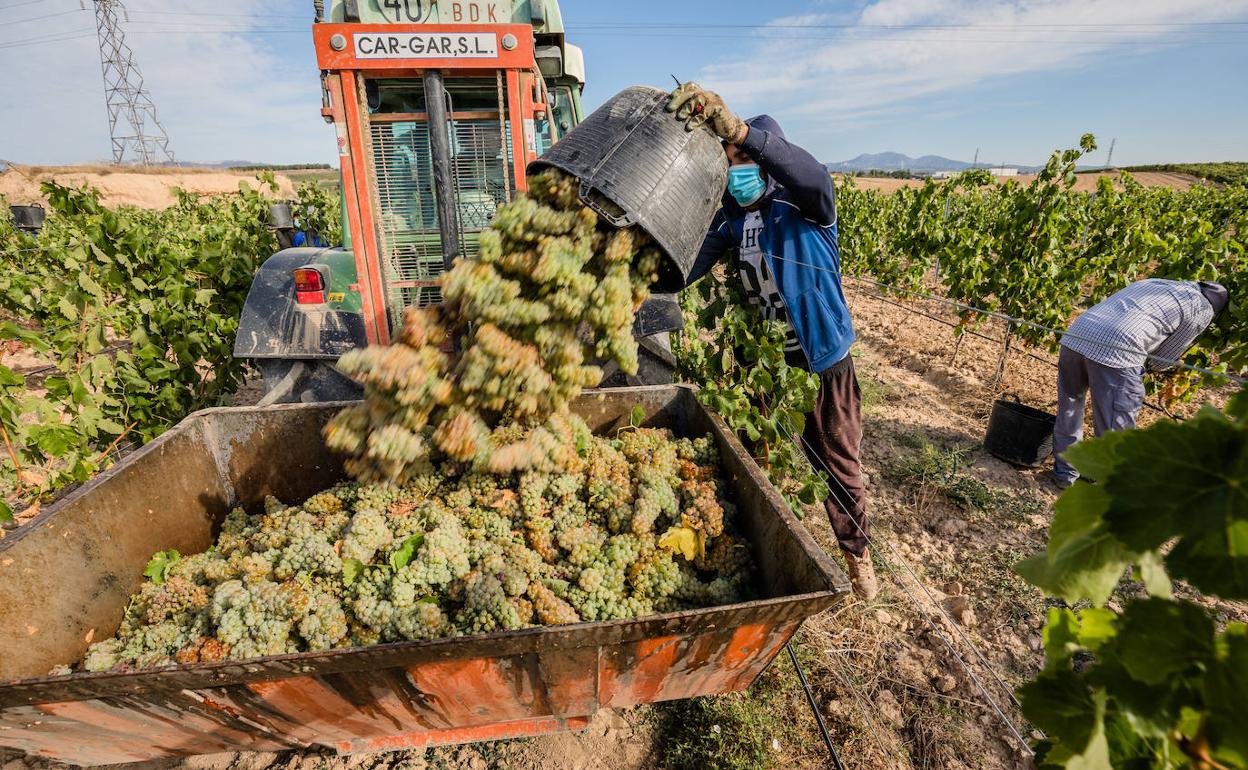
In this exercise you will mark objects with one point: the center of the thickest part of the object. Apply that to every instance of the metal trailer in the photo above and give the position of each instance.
(66, 577)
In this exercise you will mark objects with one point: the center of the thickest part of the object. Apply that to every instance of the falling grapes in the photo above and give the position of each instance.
(547, 269)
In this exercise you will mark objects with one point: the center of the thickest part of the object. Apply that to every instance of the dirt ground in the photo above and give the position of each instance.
(1083, 183)
(150, 188)
(916, 678)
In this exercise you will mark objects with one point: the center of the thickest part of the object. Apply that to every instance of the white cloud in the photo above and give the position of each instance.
(220, 94)
(894, 52)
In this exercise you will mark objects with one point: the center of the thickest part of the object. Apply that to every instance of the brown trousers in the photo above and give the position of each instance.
(833, 439)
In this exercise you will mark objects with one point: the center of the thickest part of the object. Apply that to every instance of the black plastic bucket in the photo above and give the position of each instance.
(280, 217)
(1018, 433)
(639, 166)
(28, 218)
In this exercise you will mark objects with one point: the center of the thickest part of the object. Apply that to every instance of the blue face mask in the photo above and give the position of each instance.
(745, 184)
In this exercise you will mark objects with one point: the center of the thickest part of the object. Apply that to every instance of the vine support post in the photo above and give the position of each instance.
(1005, 354)
(957, 345)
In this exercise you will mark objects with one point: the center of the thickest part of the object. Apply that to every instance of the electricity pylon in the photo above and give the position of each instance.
(132, 122)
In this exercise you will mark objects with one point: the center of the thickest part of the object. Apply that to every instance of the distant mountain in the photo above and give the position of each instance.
(896, 161)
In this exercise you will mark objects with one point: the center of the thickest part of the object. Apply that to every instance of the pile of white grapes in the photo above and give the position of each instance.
(480, 502)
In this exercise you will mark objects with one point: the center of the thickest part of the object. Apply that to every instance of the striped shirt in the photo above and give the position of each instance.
(1154, 318)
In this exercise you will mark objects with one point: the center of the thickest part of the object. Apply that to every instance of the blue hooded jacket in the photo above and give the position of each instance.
(798, 240)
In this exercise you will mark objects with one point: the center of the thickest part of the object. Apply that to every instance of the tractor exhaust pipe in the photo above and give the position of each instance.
(443, 181)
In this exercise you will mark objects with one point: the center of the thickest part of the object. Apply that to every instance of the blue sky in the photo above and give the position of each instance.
(1013, 79)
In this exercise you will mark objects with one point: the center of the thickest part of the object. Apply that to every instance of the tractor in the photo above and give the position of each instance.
(438, 108)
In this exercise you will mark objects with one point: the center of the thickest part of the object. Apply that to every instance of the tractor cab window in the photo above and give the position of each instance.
(481, 157)
(542, 128)
(565, 116)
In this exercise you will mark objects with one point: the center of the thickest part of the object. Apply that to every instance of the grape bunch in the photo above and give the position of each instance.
(546, 269)
(445, 554)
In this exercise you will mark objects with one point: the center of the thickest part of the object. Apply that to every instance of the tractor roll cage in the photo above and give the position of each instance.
(345, 74)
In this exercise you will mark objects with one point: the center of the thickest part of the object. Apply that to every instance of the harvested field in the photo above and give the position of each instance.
(1083, 183)
(148, 188)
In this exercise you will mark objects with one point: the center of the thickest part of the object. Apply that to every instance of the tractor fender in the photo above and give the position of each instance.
(274, 325)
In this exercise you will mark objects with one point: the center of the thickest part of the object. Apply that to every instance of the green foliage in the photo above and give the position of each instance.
(1041, 251)
(1166, 688)
(135, 310)
(737, 359)
(402, 556)
(158, 567)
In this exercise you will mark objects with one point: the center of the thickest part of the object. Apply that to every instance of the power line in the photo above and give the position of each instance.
(44, 16)
(929, 40)
(49, 38)
(19, 5)
(1106, 25)
(220, 15)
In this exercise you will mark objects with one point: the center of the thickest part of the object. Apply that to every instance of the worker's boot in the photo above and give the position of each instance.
(861, 575)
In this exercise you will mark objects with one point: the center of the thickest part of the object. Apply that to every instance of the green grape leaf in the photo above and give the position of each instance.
(402, 556)
(1152, 573)
(159, 565)
(1186, 479)
(6, 512)
(351, 571)
(67, 309)
(1173, 468)
(10, 378)
(1096, 627)
(11, 331)
(1061, 636)
(1226, 695)
(1061, 704)
(1087, 567)
(1095, 459)
(638, 416)
(1153, 658)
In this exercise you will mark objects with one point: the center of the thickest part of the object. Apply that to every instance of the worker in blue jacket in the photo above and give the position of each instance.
(779, 215)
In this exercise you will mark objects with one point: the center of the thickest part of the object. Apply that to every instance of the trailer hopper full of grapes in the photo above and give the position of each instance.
(65, 580)
(438, 108)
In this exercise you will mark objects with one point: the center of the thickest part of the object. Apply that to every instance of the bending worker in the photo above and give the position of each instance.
(1149, 324)
(779, 214)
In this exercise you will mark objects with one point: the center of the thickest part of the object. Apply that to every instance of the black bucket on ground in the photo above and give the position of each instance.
(1019, 434)
(639, 166)
(28, 218)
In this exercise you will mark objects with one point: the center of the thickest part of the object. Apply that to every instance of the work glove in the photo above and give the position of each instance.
(696, 106)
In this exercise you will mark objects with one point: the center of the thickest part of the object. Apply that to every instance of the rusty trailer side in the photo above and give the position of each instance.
(65, 580)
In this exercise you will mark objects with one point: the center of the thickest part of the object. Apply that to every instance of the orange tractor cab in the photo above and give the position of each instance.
(438, 108)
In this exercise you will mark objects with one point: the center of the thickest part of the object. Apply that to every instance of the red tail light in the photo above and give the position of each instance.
(309, 286)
